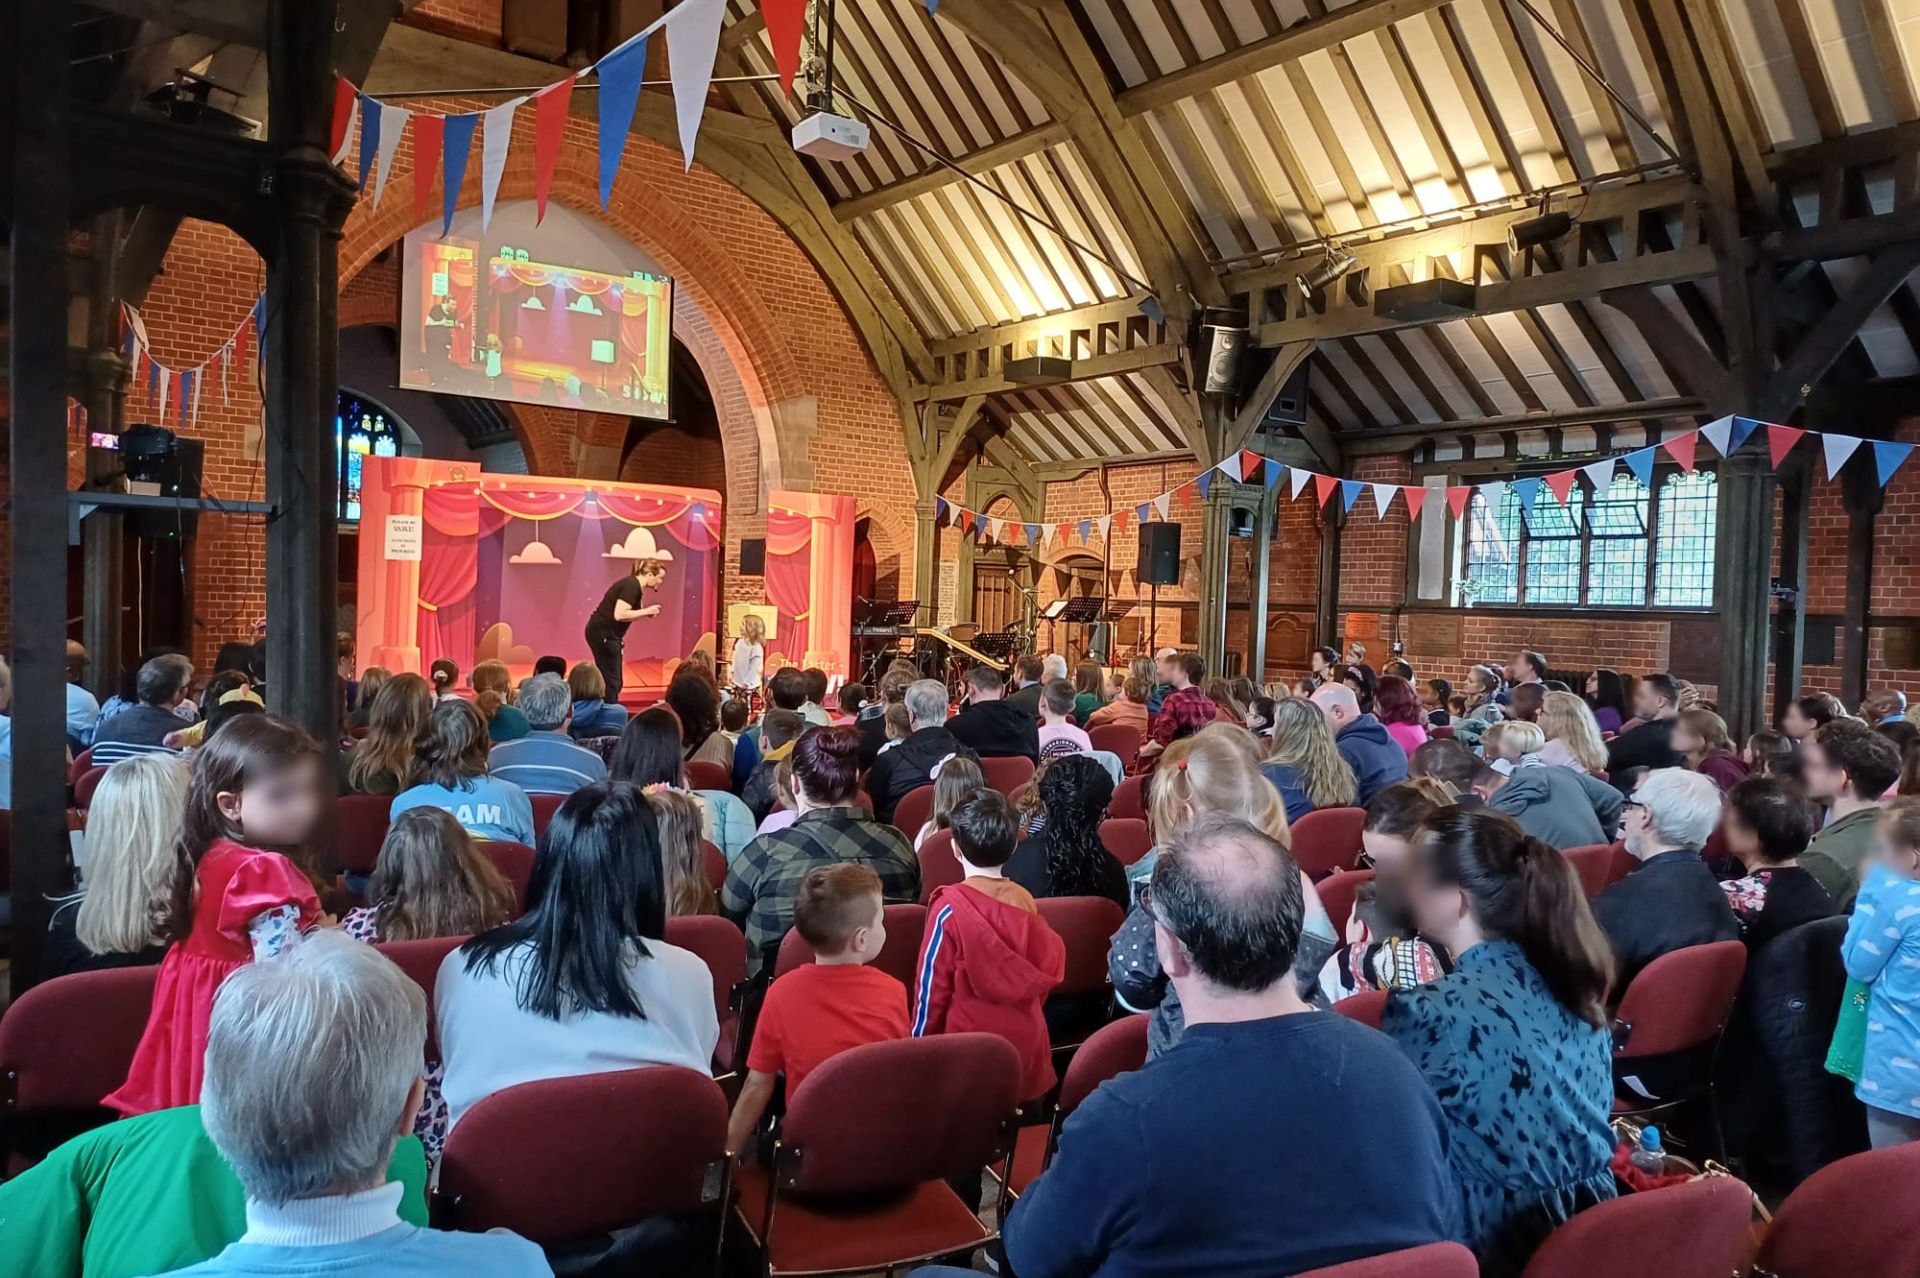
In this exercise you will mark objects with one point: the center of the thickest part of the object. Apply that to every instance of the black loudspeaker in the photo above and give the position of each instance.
(178, 476)
(753, 556)
(1224, 348)
(1290, 405)
(1159, 562)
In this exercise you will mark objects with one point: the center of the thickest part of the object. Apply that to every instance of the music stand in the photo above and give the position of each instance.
(1078, 612)
(997, 646)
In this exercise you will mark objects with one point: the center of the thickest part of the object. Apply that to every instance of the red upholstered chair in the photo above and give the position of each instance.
(359, 732)
(1328, 839)
(83, 788)
(567, 1158)
(1435, 1260)
(1680, 1002)
(859, 1174)
(1083, 1001)
(702, 775)
(1594, 864)
(544, 806)
(939, 864)
(1624, 863)
(515, 860)
(359, 828)
(714, 862)
(1127, 838)
(912, 811)
(78, 768)
(421, 961)
(906, 926)
(1112, 1049)
(723, 949)
(1444, 730)
(863, 800)
(1701, 1229)
(1850, 1219)
(1129, 799)
(1122, 738)
(1366, 1008)
(64, 1045)
(1007, 775)
(1337, 892)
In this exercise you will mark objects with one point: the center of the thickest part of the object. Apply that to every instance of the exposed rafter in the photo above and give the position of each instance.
(985, 160)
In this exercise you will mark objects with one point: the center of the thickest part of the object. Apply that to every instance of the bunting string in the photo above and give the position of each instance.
(176, 392)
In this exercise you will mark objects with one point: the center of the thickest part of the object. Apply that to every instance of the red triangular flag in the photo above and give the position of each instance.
(1681, 449)
(1416, 495)
(428, 130)
(1457, 499)
(786, 23)
(1120, 522)
(1185, 494)
(549, 126)
(1249, 464)
(343, 100)
(1561, 483)
(1323, 486)
(1780, 442)
(240, 343)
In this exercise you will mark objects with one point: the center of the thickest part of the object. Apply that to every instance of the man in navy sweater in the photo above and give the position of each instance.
(1273, 1139)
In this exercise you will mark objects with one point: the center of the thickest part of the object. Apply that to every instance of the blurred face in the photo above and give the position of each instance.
(1824, 781)
(1388, 853)
(1741, 840)
(1593, 685)
(1318, 661)
(1898, 857)
(652, 574)
(281, 808)
(1796, 724)
(1518, 669)
(1647, 703)
(1687, 742)
(1438, 910)
(1428, 697)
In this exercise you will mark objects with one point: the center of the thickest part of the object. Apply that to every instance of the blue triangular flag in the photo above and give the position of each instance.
(1887, 458)
(1349, 493)
(369, 135)
(1528, 491)
(1640, 462)
(1033, 533)
(186, 396)
(1273, 471)
(1743, 427)
(1140, 515)
(620, 74)
(939, 507)
(1203, 481)
(456, 142)
(153, 380)
(1086, 531)
(259, 324)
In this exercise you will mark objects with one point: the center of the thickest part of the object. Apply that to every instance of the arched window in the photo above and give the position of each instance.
(361, 428)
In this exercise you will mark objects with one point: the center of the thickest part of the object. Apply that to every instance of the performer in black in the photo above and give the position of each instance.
(619, 607)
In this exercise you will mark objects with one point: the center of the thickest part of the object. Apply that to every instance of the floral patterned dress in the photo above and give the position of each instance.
(362, 923)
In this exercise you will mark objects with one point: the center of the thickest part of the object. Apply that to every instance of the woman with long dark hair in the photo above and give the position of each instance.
(691, 696)
(381, 762)
(650, 753)
(1607, 695)
(582, 983)
(1067, 857)
(1515, 1040)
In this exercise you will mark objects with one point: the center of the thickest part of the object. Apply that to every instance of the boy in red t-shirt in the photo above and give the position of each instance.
(833, 1003)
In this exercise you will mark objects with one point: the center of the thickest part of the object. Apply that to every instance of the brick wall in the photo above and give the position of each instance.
(475, 20)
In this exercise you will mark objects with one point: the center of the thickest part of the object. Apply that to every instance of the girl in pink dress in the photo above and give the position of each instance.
(239, 893)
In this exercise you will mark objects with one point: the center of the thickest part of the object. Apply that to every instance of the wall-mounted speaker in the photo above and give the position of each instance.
(1290, 405)
(1159, 561)
(753, 556)
(1224, 348)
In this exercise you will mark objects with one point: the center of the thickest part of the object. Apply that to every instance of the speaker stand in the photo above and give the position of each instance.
(1153, 622)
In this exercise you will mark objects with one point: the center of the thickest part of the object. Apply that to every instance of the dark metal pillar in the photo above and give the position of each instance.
(1326, 614)
(301, 346)
(37, 34)
(1790, 622)
(1257, 602)
(1863, 497)
(1215, 562)
(1743, 572)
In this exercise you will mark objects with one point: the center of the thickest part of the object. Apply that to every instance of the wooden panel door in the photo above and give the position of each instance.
(996, 603)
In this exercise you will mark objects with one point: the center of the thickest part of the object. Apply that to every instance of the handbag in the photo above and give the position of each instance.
(1849, 1046)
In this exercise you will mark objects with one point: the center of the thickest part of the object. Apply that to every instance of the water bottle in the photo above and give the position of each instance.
(1648, 1156)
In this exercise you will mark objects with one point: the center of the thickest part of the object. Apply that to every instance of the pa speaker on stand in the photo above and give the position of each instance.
(1158, 565)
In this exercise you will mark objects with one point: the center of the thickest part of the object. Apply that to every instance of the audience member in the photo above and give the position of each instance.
(683, 861)
(829, 1005)
(551, 664)
(430, 881)
(1323, 666)
(649, 754)
(240, 701)
(593, 715)
(693, 698)
(445, 677)
(787, 690)
(873, 719)
(239, 892)
(1185, 709)
(493, 697)
(1436, 696)
(1227, 708)
(1376, 759)
(1483, 695)
(830, 829)
(1882, 950)
(749, 654)
(1150, 669)
(1649, 744)
(852, 700)
(1572, 735)
(1526, 669)
(546, 760)
(1382, 950)
(1904, 734)
(1524, 701)
(450, 771)
(1848, 766)
(83, 710)
(1306, 766)
(913, 762)
(1058, 733)
(1882, 705)
(989, 960)
(1087, 691)
(956, 778)
(1607, 695)
(1700, 738)
(163, 686)
(1771, 754)
(1671, 899)
(1129, 708)
(1806, 716)
(992, 726)
(779, 729)
(1515, 1041)
(1364, 682)
(1259, 1071)
(1067, 857)
(1029, 673)
(1561, 807)
(1398, 707)
(133, 828)
(1399, 669)
(372, 679)
(1452, 765)
(1768, 826)
(814, 708)
(582, 982)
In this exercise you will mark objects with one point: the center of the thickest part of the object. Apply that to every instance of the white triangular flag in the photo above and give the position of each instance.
(349, 133)
(1296, 480)
(1600, 475)
(1495, 492)
(393, 127)
(193, 409)
(166, 382)
(1838, 449)
(496, 131)
(693, 41)
(1105, 523)
(1383, 495)
(994, 526)
(1160, 505)
(1718, 433)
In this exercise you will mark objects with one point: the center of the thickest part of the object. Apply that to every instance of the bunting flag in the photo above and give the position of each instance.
(1349, 493)
(429, 133)
(1780, 442)
(1120, 522)
(939, 507)
(1204, 481)
(1838, 449)
(1457, 499)
(1106, 526)
(1272, 472)
(786, 23)
(1249, 463)
(1185, 493)
(1140, 513)
(166, 385)
(1681, 448)
(1560, 484)
(1720, 434)
(549, 129)
(1528, 491)
(1743, 428)
(1033, 533)
(1298, 480)
(187, 381)
(459, 142)
(1640, 462)
(620, 74)
(1416, 495)
(1887, 458)
(393, 127)
(1323, 486)
(1086, 532)
(1382, 498)
(370, 111)
(1160, 505)
(496, 134)
(1495, 493)
(1600, 475)
(345, 103)
(693, 42)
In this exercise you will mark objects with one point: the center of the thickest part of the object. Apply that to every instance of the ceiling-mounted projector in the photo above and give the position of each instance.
(826, 136)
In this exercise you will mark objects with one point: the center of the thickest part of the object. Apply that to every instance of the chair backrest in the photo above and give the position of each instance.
(889, 1115)
(1007, 774)
(1127, 838)
(83, 788)
(1366, 1008)
(1129, 799)
(1444, 730)
(565, 1158)
(515, 861)
(714, 862)
(544, 806)
(68, 1042)
(1435, 1260)
(1328, 839)
(915, 806)
(1682, 999)
(78, 768)
(939, 864)
(359, 828)
(1850, 1219)
(1122, 738)
(1700, 1229)
(906, 926)
(1594, 864)
(703, 774)
(1337, 892)
(1085, 925)
(421, 961)
(1110, 1050)
(720, 946)
(359, 732)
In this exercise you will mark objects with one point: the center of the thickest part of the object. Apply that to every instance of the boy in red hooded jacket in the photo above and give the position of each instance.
(989, 960)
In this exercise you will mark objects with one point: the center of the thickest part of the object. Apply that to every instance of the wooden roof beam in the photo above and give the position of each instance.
(985, 160)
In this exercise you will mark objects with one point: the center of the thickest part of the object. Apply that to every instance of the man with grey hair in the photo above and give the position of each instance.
(546, 760)
(1053, 667)
(1671, 900)
(313, 1073)
(1375, 757)
(162, 684)
(912, 762)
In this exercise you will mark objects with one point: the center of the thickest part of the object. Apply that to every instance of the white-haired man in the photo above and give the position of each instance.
(912, 763)
(1671, 900)
(547, 760)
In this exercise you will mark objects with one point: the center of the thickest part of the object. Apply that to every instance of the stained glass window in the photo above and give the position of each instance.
(361, 429)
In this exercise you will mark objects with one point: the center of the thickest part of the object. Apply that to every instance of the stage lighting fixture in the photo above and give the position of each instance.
(1532, 231)
(1035, 369)
(1151, 308)
(1337, 263)
(145, 451)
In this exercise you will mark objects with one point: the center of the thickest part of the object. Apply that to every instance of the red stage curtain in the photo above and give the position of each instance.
(789, 572)
(449, 572)
(527, 503)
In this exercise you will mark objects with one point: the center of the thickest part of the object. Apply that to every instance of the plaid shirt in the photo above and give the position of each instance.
(1183, 713)
(763, 881)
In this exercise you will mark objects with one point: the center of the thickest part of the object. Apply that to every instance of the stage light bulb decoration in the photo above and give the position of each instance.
(1336, 264)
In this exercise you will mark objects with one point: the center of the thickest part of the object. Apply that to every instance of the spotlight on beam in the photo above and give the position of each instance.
(1337, 263)
(1532, 231)
(1151, 308)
